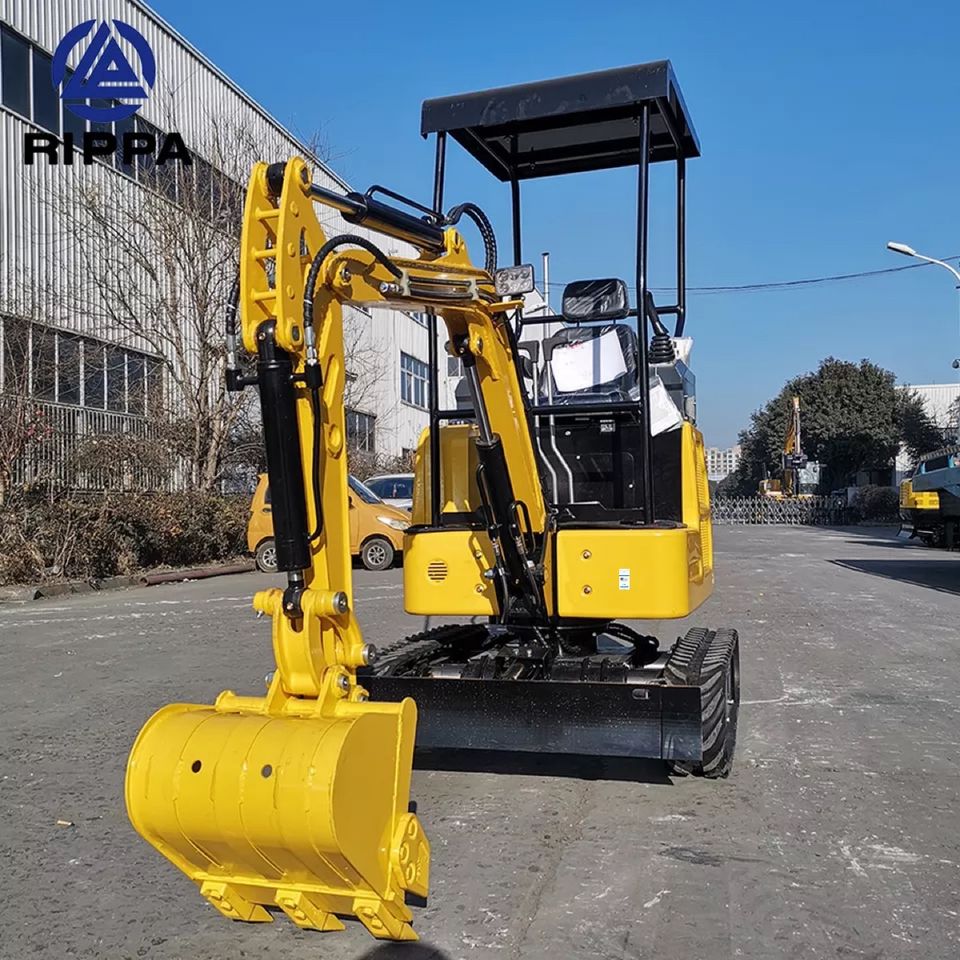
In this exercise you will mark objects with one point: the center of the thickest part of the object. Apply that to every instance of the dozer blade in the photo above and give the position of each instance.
(306, 814)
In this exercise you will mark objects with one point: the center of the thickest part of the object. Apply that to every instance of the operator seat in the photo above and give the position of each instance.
(592, 459)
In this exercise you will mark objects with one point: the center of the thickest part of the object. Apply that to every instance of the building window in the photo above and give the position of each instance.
(93, 374)
(116, 380)
(227, 200)
(136, 384)
(16, 356)
(414, 379)
(126, 125)
(361, 431)
(154, 387)
(420, 318)
(15, 72)
(46, 103)
(101, 126)
(454, 367)
(203, 185)
(147, 172)
(76, 371)
(68, 370)
(44, 363)
(71, 123)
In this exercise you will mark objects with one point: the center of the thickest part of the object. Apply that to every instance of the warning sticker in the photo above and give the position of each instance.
(624, 578)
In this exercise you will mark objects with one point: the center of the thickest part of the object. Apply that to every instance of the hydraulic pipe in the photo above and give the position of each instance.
(493, 476)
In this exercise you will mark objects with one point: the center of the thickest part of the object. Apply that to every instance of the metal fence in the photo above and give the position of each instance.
(93, 450)
(810, 511)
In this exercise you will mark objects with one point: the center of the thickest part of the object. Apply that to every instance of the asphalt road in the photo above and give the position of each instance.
(838, 834)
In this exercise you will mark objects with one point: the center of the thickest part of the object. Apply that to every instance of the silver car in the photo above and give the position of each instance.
(393, 488)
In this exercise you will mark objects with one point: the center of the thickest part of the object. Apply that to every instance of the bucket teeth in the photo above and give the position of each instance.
(232, 904)
(305, 912)
(382, 919)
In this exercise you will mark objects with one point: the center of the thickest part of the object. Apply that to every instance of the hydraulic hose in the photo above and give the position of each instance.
(485, 228)
(322, 255)
(315, 486)
(232, 305)
(315, 266)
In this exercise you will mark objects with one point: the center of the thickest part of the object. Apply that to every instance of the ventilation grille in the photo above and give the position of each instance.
(437, 570)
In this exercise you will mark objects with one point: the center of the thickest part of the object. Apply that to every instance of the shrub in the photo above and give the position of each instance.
(85, 539)
(876, 503)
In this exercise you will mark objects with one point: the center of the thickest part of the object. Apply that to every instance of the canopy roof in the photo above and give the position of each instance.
(570, 124)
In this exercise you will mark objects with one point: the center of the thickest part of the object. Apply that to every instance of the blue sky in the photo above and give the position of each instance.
(826, 130)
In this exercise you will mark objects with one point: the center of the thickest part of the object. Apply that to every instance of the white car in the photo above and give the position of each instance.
(393, 488)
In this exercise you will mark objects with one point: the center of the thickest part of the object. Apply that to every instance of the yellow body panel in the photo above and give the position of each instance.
(667, 573)
(458, 472)
(643, 574)
(629, 574)
(363, 520)
(443, 573)
(297, 799)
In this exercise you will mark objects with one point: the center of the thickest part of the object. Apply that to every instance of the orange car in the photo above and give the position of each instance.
(376, 528)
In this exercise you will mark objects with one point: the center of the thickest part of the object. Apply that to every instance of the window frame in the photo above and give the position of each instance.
(357, 419)
(414, 381)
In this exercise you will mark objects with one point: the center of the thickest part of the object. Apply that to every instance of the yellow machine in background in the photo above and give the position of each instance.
(794, 464)
(920, 514)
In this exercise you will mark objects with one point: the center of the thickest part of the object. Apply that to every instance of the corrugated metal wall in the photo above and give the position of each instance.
(41, 261)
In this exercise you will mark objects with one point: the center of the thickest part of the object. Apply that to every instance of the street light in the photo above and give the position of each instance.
(910, 252)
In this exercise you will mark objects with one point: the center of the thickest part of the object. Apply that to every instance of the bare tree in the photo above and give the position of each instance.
(159, 264)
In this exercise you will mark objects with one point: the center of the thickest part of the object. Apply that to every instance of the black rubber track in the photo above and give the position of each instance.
(711, 660)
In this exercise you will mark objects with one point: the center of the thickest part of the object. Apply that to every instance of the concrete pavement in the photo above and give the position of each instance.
(836, 835)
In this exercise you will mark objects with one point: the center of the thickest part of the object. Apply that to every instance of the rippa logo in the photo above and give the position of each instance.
(104, 75)
(104, 72)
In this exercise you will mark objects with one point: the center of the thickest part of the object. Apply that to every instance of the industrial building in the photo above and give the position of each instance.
(106, 343)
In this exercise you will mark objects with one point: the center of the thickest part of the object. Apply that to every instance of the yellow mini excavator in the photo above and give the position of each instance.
(799, 475)
(569, 496)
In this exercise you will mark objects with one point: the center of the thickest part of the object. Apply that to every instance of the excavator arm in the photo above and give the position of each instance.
(299, 799)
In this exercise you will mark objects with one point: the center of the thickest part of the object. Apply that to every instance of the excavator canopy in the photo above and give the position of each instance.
(569, 124)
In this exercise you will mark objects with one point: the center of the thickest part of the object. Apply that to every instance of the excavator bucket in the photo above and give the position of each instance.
(304, 814)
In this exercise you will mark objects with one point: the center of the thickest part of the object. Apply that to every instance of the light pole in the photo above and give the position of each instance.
(910, 252)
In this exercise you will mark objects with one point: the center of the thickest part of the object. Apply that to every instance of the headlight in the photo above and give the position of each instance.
(394, 523)
(514, 281)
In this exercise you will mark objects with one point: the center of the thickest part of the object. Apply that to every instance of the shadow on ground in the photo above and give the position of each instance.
(624, 769)
(901, 543)
(405, 951)
(942, 575)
